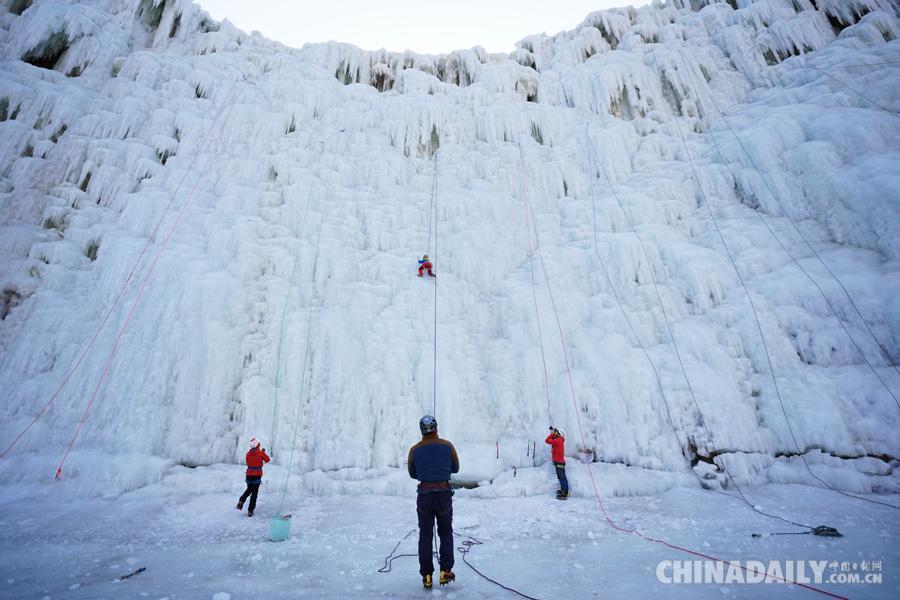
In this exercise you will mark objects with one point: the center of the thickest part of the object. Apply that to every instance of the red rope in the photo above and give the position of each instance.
(581, 429)
(537, 314)
(118, 297)
(140, 293)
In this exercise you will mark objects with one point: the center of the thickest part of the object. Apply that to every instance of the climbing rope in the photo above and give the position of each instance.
(128, 278)
(815, 284)
(306, 353)
(753, 309)
(140, 292)
(614, 290)
(537, 314)
(821, 261)
(291, 281)
(464, 548)
(434, 178)
(710, 439)
(433, 220)
(878, 64)
(537, 240)
(435, 319)
(840, 283)
(606, 516)
(808, 245)
(390, 558)
(855, 91)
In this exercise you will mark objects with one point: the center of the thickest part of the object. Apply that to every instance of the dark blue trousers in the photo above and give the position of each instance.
(561, 475)
(430, 507)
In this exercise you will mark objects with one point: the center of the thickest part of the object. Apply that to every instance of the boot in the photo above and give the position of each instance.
(426, 581)
(240, 505)
(562, 495)
(447, 577)
(249, 513)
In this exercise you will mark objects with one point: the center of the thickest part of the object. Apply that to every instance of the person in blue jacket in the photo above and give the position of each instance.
(431, 461)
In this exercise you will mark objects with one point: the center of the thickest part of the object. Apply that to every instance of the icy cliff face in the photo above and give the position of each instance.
(651, 142)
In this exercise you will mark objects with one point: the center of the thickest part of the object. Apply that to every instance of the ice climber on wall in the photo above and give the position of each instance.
(431, 461)
(557, 441)
(425, 265)
(255, 459)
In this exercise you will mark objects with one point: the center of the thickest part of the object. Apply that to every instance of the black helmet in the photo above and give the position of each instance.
(427, 424)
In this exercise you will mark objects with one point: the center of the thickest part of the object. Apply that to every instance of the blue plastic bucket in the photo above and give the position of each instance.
(279, 528)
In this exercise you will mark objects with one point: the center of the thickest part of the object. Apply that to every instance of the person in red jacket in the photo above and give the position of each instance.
(557, 441)
(255, 459)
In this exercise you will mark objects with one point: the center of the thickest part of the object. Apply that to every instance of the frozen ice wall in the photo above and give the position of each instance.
(237, 202)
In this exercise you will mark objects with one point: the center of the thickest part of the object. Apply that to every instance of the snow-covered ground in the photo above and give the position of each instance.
(194, 544)
(207, 236)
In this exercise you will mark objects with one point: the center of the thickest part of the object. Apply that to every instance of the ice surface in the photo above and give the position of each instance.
(193, 544)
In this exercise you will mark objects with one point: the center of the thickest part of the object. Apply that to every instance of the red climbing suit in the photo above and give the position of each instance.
(557, 448)
(255, 459)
